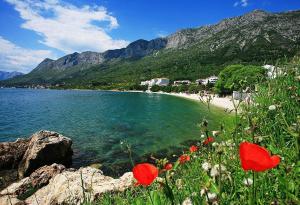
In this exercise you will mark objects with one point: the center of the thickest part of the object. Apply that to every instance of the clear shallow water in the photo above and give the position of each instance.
(97, 121)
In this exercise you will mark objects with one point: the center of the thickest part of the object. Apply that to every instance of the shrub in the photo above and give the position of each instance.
(236, 77)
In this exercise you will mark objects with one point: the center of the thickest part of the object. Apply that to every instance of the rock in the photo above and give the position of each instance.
(45, 148)
(42, 175)
(7, 177)
(11, 153)
(28, 185)
(67, 187)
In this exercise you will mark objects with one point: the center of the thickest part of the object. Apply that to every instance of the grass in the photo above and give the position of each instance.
(276, 128)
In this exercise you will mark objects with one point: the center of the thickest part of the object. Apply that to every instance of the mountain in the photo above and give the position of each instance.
(255, 38)
(7, 75)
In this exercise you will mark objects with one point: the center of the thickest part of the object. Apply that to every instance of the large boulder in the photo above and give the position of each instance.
(73, 187)
(45, 148)
(11, 153)
(27, 186)
(68, 187)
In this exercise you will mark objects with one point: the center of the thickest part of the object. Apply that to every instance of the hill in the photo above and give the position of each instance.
(7, 75)
(255, 38)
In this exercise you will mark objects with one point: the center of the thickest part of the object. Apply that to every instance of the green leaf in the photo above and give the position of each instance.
(156, 198)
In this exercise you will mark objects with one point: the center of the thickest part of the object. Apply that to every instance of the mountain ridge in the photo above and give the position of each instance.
(7, 75)
(258, 33)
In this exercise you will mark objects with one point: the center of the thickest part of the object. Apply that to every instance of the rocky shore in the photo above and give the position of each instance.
(42, 163)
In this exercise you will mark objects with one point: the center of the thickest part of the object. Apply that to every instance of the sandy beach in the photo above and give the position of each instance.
(225, 102)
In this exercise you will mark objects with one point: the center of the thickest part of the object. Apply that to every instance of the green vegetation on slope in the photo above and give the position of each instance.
(189, 63)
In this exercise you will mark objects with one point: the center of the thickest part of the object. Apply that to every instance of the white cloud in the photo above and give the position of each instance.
(243, 3)
(15, 58)
(161, 34)
(69, 28)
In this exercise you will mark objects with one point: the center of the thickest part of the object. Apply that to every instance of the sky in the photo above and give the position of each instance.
(32, 30)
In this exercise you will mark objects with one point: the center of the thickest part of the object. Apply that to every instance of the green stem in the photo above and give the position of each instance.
(150, 196)
(169, 189)
(253, 188)
(220, 176)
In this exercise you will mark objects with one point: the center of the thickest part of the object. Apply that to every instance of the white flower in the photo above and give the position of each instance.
(206, 166)
(211, 196)
(187, 201)
(215, 133)
(248, 182)
(179, 183)
(272, 107)
(215, 171)
(202, 136)
(215, 144)
(208, 195)
(159, 179)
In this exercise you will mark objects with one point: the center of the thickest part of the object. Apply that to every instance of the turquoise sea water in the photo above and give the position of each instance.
(97, 121)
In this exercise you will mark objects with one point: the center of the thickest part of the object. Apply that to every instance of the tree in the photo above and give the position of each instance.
(236, 77)
(155, 88)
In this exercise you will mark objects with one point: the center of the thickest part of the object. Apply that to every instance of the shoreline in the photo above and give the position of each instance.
(220, 102)
(225, 103)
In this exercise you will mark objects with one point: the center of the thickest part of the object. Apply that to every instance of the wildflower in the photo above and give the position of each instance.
(187, 201)
(248, 182)
(193, 148)
(208, 195)
(145, 173)
(256, 158)
(160, 180)
(208, 140)
(206, 166)
(202, 136)
(215, 133)
(214, 144)
(168, 166)
(272, 107)
(184, 158)
(215, 171)
(179, 183)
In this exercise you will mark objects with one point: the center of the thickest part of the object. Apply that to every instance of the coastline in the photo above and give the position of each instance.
(220, 102)
(225, 103)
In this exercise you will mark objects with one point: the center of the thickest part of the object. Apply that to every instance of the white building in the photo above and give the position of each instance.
(156, 81)
(147, 82)
(181, 82)
(211, 80)
(162, 81)
(272, 71)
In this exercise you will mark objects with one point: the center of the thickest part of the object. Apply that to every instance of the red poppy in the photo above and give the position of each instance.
(193, 148)
(208, 140)
(256, 158)
(145, 173)
(168, 166)
(184, 158)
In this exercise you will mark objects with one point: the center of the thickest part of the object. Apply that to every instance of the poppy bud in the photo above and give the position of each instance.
(168, 166)
(193, 148)
(184, 158)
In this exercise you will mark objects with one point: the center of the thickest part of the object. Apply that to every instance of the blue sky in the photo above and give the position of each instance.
(31, 30)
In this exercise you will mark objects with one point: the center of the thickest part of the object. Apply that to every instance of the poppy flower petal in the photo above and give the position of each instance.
(275, 160)
(145, 173)
(256, 158)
